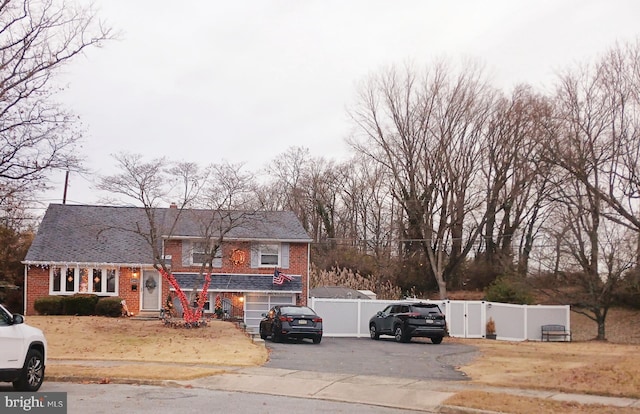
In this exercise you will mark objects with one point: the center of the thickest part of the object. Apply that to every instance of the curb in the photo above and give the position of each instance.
(107, 381)
(453, 409)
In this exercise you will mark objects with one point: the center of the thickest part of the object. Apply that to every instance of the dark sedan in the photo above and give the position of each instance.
(407, 320)
(290, 321)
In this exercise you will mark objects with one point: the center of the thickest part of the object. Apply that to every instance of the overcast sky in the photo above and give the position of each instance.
(243, 81)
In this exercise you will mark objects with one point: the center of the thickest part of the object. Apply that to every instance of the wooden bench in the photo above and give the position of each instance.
(555, 331)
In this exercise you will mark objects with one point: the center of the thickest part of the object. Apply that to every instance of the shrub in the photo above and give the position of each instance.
(49, 305)
(80, 304)
(506, 290)
(110, 306)
(628, 292)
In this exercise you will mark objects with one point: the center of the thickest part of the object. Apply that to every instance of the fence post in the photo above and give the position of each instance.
(526, 322)
(359, 318)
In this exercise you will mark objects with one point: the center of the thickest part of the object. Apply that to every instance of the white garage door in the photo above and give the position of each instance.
(255, 304)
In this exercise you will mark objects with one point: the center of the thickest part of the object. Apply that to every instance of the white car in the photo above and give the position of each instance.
(23, 352)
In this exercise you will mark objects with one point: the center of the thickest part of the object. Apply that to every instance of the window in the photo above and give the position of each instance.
(62, 280)
(102, 281)
(200, 252)
(84, 279)
(426, 309)
(111, 280)
(98, 280)
(387, 310)
(56, 278)
(5, 317)
(396, 309)
(269, 255)
(69, 280)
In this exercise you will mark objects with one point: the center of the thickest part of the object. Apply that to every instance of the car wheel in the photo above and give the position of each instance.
(32, 373)
(263, 334)
(373, 332)
(400, 334)
(317, 339)
(436, 340)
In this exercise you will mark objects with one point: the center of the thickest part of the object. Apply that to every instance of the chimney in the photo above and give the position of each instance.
(173, 205)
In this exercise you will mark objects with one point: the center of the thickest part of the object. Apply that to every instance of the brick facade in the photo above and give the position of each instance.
(37, 286)
(37, 282)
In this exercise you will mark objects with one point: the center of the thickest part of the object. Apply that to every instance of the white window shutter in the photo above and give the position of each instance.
(186, 253)
(217, 261)
(284, 255)
(255, 255)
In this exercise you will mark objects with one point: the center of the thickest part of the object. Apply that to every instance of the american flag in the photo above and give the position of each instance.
(279, 278)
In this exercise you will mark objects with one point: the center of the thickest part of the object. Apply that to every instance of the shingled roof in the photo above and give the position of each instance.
(242, 225)
(239, 283)
(114, 235)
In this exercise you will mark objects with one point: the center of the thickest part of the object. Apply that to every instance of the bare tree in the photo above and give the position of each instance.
(586, 144)
(367, 211)
(287, 190)
(205, 199)
(608, 104)
(516, 181)
(37, 37)
(307, 186)
(426, 132)
(226, 201)
(595, 254)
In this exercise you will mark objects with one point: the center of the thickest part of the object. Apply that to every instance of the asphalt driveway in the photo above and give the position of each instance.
(419, 359)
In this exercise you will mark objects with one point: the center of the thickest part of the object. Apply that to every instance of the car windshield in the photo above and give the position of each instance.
(426, 309)
(296, 310)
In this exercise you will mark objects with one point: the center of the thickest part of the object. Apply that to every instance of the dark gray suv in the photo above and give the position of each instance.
(409, 319)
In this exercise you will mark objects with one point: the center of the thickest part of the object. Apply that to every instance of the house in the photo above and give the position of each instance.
(107, 251)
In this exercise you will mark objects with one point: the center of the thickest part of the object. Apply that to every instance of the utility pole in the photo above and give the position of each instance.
(66, 184)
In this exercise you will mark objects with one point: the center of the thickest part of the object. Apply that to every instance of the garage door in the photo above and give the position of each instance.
(256, 304)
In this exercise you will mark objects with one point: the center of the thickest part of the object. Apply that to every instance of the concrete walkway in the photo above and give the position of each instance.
(410, 394)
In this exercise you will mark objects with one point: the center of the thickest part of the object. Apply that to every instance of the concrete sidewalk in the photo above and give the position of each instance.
(410, 394)
(393, 392)
(383, 391)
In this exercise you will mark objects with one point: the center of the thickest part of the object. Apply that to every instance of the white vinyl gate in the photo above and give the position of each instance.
(465, 319)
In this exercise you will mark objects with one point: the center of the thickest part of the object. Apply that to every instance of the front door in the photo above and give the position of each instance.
(151, 290)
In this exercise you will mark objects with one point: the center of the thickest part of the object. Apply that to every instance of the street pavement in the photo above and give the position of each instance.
(349, 384)
(152, 399)
(393, 392)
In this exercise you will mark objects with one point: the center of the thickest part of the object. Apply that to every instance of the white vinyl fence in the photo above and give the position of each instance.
(465, 319)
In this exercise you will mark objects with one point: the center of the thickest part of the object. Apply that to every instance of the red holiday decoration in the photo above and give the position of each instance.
(191, 316)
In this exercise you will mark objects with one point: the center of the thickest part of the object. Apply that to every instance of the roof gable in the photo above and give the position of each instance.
(104, 234)
(239, 225)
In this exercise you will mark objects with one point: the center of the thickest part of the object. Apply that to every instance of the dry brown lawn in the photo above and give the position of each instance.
(156, 348)
(517, 404)
(582, 366)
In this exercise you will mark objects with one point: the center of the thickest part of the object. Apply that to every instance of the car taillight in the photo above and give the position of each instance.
(286, 319)
(317, 320)
(413, 315)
